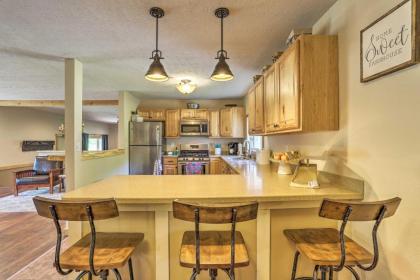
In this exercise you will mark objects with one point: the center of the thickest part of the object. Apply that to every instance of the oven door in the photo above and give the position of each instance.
(190, 128)
(193, 168)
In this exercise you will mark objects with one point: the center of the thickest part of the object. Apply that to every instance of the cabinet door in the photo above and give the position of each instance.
(259, 107)
(271, 100)
(226, 122)
(187, 113)
(289, 88)
(170, 170)
(172, 123)
(215, 166)
(201, 114)
(214, 123)
(143, 113)
(251, 111)
(157, 114)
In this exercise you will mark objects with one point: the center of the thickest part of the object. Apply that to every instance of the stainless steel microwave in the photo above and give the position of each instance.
(194, 128)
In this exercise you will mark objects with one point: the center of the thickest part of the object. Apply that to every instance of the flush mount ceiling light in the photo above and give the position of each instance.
(186, 87)
(156, 72)
(221, 71)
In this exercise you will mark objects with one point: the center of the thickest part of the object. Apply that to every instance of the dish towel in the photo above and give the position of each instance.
(157, 168)
(193, 168)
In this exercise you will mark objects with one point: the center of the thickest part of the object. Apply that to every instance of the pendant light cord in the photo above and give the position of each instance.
(221, 32)
(157, 33)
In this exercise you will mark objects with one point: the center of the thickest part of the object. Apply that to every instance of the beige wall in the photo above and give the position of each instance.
(379, 138)
(18, 124)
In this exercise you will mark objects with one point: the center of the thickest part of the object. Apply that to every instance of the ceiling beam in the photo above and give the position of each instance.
(53, 103)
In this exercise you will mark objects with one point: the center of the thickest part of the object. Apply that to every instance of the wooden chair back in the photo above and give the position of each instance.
(215, 213)
(75, 210)
(360, 211)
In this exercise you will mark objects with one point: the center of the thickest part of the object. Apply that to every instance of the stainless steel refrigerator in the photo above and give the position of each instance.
(145, 147)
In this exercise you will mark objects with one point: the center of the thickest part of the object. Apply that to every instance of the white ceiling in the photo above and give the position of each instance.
(114, 40)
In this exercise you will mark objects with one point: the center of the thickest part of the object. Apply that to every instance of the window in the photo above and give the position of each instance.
(95, 143)
(257, 142)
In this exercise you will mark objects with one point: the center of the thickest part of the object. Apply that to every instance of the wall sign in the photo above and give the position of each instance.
(30, 145)
(390, 43)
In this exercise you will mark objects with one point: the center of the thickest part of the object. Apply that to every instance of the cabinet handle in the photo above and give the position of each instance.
(283, 109)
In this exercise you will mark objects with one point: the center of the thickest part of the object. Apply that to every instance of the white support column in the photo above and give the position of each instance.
(73, 120)
(263, 244)
(162, 244)
(73, 131)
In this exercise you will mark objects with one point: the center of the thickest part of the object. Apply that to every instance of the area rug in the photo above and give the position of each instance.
(23, 202)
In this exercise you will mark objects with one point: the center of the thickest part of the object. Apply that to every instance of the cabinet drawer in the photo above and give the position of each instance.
(170, 161)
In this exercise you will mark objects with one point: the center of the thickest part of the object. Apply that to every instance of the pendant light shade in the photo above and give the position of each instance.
(222, 70)
(156, 72)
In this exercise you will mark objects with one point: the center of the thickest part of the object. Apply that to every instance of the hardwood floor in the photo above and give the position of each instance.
(24, 236)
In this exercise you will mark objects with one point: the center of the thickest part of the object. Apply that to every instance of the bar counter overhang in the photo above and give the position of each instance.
(145, 204)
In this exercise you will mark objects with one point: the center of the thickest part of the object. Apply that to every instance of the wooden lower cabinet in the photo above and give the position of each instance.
(170, 170)
(215, 165)
(170, 165)
(219, 166)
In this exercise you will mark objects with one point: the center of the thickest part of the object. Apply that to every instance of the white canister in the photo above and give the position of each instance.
(217, 151)
(263, 156)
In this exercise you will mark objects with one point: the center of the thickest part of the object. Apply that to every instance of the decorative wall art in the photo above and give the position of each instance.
(28, 145)
(391, 42)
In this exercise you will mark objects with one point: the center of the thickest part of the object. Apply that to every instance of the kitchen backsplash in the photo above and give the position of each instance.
(171, 144)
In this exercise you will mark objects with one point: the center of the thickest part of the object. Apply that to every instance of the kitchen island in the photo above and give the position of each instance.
(145, 206)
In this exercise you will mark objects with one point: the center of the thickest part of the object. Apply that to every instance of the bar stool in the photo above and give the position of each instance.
(96, 253)
(331, 250)
(214, 250)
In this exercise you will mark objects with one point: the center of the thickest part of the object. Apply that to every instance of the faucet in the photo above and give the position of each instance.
(247, 148)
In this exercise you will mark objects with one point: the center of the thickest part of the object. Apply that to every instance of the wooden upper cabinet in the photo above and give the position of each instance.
(198, 114)
(272, 99)
(232, 122)
(289, 88)
(259, 106)
(214, 123)
(300, 89)
(251, 110)
(152, 114)
(172, 123)
(255, 107)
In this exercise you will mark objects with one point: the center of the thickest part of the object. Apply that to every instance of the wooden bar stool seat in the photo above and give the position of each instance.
(331, 250)
(112, 250)
(322, 247)
(214, 250)
(97, 253)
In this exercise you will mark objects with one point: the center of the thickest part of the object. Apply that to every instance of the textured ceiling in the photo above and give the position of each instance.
(114, 40)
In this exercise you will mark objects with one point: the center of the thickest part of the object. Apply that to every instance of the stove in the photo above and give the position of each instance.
(194, 159)
(194, 152)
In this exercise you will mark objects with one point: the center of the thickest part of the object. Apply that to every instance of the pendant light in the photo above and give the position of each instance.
(156, 72)
(186, 87)
(222, 71)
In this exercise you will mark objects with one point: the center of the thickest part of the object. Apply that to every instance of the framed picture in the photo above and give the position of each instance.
(390, 43)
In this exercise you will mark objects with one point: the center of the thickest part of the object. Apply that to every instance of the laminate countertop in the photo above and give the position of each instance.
(254, 182)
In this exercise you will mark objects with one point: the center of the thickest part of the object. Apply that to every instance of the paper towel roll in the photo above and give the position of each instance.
(263, 156)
